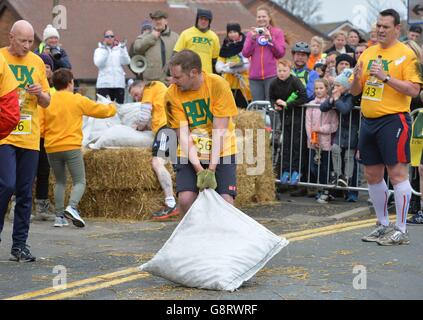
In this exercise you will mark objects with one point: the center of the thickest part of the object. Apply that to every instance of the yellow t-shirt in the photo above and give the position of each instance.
(154, 94)
(63, 119)
(27, 70)
(380, 99)
(205, 44)
(8, 82)
(198, 108)
(41, 114)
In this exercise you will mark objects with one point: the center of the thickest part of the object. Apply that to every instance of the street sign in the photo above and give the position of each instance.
(415, 11)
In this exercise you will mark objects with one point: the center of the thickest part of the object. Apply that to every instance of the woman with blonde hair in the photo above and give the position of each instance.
(265, 44)
(316, 46)
(340, 44)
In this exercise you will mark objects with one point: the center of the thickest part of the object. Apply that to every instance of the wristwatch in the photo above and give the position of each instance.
(388, 77)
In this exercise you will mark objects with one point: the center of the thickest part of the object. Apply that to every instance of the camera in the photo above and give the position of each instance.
(55, 52)
(260, 30)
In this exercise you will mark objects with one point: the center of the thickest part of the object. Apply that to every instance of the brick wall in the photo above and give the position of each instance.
(7, 19)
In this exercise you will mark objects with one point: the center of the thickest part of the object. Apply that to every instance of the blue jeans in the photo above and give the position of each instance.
(17, 173)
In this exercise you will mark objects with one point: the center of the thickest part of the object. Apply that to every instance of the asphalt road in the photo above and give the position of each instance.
(100, 260)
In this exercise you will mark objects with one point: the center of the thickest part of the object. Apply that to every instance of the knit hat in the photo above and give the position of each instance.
(204, 13)
(47, 60)
(146, 25)
(49, 32)
(344, 78)
(345, 57)
(233, 27)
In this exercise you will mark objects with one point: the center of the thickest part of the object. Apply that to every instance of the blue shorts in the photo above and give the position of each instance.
(385, 140)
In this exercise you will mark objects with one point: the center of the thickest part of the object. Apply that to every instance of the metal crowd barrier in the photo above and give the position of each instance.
(280, 143)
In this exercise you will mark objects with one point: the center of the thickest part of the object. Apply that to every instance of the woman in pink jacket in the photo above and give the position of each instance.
(320, 127)
(264, 45)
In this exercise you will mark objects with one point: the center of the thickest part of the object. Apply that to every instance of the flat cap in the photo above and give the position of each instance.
(158, 14)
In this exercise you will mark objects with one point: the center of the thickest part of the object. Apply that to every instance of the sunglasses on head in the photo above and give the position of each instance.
(109, 36)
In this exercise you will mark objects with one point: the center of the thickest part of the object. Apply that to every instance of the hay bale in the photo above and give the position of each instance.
(256, 188)
(118, 169)
(249, 120)
(124, 204)
(265, 183)
(246, 185)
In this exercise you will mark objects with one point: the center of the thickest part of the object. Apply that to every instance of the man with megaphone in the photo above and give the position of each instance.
(157, 47)
(110, 57)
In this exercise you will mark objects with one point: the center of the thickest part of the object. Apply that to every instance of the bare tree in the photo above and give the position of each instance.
(307, 10)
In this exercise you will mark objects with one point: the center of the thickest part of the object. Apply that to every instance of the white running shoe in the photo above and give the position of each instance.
(73, 215)
(60, 222)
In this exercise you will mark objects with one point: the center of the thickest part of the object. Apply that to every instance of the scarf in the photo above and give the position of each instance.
(230, 48)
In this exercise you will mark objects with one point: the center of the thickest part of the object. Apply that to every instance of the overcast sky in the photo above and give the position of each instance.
(338, 10)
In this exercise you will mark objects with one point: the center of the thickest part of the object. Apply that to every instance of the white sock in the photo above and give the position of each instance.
(402, 192)
(170, 202)
(379, 194)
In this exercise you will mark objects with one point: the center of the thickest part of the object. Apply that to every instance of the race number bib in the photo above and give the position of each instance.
(24, 125)
(373, 91)
(203, 145)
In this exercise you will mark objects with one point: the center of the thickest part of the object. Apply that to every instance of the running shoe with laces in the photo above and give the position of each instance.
(166, 212)
(378, 232)
(73, 215)
(42, 212)
(394, 238)
(342, 181)
(60, 222)
(323, 197)
(21, 254)
(416, 219)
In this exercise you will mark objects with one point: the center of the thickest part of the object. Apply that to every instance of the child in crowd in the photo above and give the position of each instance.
(316, 46)
(320, 68)
(320, 127)
(234, 66)
(330, 73)
(287, 93)
(372, 36)
(346, 139)
(63, 141)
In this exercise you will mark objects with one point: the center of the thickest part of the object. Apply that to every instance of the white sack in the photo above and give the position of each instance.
(93, 128)
(131, 114)
(123, 136)
(215, 246)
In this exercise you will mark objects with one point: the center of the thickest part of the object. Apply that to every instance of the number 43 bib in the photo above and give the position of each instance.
(373, 91)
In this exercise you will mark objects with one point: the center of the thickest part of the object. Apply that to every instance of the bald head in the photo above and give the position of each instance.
(21, 38)
(22, 27)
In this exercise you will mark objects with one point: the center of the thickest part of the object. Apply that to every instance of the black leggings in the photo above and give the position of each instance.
(115, 94)
(43, 174)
